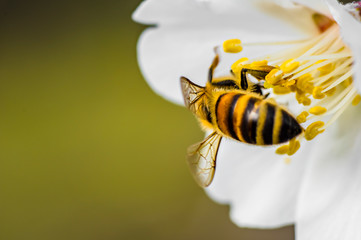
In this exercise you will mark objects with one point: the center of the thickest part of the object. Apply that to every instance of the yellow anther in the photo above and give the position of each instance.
(277, 67)
(305, 77)
(313, 130)
(330, 92)
(326, 69)
(302, 117)
(306, 101)
(282, 150)
(289, 149)
(289, 66)
(259, 63)
(281, 90)
(356, 100)
(238, 65)
(317, 93)
(294, 145)
(317, 110)
(309, 88)
(304, 83)
(302, 98)
(232, 46)
(347, 82)
(274, 76)
(267, 85)
(293, 87)
(289, 83)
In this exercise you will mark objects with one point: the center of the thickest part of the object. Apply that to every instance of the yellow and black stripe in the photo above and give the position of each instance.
(251, 119)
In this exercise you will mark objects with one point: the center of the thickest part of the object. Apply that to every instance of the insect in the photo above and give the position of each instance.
(233, 109)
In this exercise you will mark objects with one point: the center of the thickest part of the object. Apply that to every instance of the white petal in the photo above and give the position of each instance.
(351, 34)
(260, 187)
(169, 12)
(256, 14)
(354, 9)
(317, 5)
(170, 51)
(329, 204)
(166, 53)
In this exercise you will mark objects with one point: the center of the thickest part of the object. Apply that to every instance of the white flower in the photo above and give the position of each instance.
(320, 190)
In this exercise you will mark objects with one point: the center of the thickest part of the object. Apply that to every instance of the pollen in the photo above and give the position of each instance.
(274, 76)
(259, 63)
(238, 65)
(289, 149)
(317, 93)
(318, 110)
(313, 130)
(304, 83)
(294, 145)
(302, 117)
(281, 90)
(290, 84)
(282, 149)
(232, 46)
(302, 98)
(289, 66)
(267, 85)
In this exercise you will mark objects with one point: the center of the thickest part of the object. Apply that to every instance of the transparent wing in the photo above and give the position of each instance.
(194, 97)
(202, 159)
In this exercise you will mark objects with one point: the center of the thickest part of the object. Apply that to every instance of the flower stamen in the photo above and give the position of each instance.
(274, 77)
(302, 117)
(313, 130)
(318, 110)
(317, 93)
(317, 71)
(232, 46)
(294, 145)
(356, 100)
(289, 66)
(290, 148)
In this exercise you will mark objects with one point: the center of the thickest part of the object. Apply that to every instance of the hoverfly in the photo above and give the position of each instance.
(232, 109)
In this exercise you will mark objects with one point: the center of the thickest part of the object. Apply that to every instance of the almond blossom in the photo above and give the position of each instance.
(315, 47)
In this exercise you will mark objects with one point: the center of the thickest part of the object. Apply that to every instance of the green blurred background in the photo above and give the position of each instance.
(87, 150)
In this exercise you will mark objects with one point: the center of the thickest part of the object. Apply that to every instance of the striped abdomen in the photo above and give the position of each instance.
(250, 119)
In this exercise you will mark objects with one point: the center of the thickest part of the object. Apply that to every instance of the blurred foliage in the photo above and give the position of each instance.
(87, 150)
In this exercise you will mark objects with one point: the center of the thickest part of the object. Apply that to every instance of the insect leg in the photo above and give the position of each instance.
(227, 83)
(213, 65)
(244, 81)
(257, 89)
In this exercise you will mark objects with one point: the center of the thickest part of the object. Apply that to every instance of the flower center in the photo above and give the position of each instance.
(317, 73)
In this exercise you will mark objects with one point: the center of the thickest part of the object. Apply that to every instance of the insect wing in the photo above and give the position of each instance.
(202, 159)
(194, 96)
